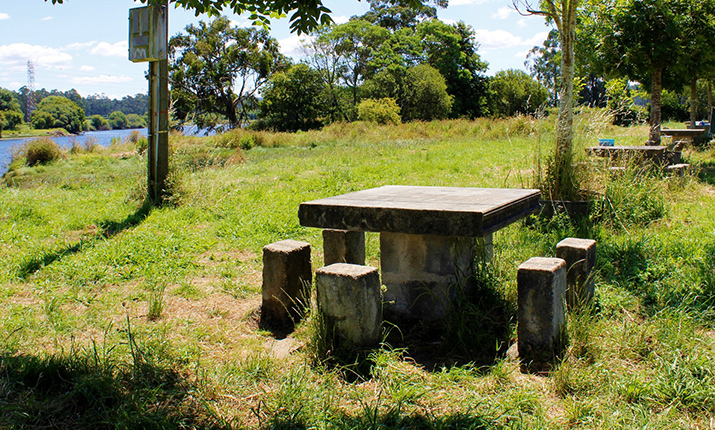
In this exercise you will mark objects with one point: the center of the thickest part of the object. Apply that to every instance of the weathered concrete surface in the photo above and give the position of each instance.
(421, 272)
(287, 278)
(442, 211)
(350, 302)
(580, 257)
(541, 284)
(343, 246)
(655, 154)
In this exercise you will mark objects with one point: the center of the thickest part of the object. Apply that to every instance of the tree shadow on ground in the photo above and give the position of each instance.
(707, 172)
(476, 330)
(84, 391)
(372, 418)
(106, 230)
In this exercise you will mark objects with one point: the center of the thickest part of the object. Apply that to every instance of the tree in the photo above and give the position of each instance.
(515, 92)
(118, 120)
(216, 71)
(293, 100)
(307, 14)
(544, 64)
(98, 122)
(10, 111)
(395, 15)
(640, 41)
(452, 50)
(563, 14)
(420, 91)
(58, 112)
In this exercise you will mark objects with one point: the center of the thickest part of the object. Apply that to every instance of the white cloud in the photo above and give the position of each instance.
(538, 39)
(497, 39)
(102, 79)
(105, 49)
(292, 45)
(342, 19)
(465, 2)
(501, 39)
(17, 55)
(4, 16)
(240, 24)
(521, 23)
(504, 12)
(86, 69)
(448, 21)
(522, 54)
(47, 18)
(80, 45)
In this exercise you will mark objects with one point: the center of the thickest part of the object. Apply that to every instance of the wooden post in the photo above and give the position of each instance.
(158, 153)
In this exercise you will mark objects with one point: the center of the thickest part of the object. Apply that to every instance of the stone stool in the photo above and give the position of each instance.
(287, 278)
(343, 246)
(541, 284)
(350, 302)
(580, 257)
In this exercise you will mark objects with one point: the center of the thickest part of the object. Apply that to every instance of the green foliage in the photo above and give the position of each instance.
(58, 112)
(544, 64)
(381, 111)
(425, 96)
(293, 100)
(217, 70)
(42, 150)
(421, 92)
(118, 121)
(452, 50)
(98, 122)
(10, 112)
(514, 92)
(620, 103)
(135, 121)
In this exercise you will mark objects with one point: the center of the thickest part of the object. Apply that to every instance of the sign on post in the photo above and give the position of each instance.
(147, 34)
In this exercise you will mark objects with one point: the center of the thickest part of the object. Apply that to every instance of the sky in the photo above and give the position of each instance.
(82, 44)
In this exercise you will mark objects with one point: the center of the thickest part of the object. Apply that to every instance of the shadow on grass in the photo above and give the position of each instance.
(107, 229)
(82, 392)
(476, 330)
(373, 419)
(707, 172)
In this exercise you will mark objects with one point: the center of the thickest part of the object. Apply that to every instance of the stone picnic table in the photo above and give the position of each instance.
(683, 134)
(653, 153)
(429, 236)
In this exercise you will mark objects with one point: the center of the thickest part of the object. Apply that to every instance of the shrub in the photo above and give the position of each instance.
(381, 111)
(42, 150)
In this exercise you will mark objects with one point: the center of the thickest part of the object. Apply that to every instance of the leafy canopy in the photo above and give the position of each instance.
(306, 14)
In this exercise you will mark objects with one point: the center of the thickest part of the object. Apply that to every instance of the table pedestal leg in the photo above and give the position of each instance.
(421, 272)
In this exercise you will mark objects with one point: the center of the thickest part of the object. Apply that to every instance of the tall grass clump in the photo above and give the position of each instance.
(634, 198)
(41, 151)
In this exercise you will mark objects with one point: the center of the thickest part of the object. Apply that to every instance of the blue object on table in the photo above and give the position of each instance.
(606, 142)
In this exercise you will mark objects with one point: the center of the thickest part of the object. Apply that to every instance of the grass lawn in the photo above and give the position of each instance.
(118, 315)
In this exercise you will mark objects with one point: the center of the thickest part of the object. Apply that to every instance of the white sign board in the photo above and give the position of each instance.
(147, 34)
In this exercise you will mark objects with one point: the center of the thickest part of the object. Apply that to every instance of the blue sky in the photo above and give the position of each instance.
(82, 44)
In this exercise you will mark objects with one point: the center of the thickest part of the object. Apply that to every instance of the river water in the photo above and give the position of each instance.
(103, 138)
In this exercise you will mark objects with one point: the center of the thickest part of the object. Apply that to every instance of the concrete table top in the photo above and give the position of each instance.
(444, 211)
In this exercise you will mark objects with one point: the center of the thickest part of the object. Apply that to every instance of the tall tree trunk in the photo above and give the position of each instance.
(693, 100)
(565, 185)
(655, 106)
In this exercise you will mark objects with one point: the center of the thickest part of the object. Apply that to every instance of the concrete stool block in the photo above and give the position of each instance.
(287, 278)
(343, 246)
(580, 257)
(678, 169)
(350, 302)
(541, 284)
